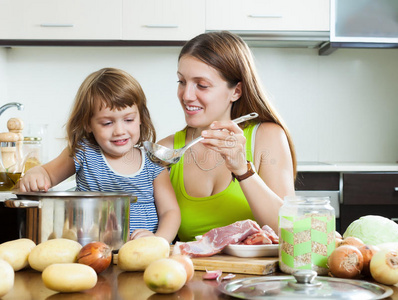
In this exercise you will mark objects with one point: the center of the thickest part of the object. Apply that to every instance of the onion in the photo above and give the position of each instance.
(384, 266)
(228, 277)
(186, 261)
(338, 242)
(367, 252)
(345, 262)
(211, 275)
(352, 241)
(338, 239)
(97, 255)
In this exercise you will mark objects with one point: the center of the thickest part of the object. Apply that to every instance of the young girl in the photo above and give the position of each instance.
(108, 123)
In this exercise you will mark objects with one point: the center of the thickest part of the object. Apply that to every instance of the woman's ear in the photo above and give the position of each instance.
(237, 92)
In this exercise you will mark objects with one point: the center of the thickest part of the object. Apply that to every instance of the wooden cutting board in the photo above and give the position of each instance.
(234, 264)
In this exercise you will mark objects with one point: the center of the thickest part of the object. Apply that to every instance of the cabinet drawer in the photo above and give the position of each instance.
(273, 15)
(60, 19)
(317, 181)
(370, 188)
(163, 19)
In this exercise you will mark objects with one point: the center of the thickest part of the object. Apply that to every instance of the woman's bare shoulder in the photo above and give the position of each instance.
(271, 141)
(167, 141)
(269, 132)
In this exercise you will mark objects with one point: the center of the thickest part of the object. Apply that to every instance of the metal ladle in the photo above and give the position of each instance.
(164, 156)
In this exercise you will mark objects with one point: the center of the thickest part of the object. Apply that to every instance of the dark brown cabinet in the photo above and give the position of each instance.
(368, 193)
(317, 181)
(9, 223)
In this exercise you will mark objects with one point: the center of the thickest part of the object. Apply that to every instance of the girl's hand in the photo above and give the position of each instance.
(34, 180)
(226, 138)
(139, 233)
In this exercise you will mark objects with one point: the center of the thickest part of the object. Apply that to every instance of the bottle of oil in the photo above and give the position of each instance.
(11, 156)
(9, 173)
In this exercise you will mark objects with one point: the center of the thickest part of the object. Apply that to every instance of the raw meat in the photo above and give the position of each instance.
(259, 238)
(217, 239)
(266, 236)
(271, 234)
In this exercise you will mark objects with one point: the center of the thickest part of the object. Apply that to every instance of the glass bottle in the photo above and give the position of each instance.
(307, 228)
(11, 160)
(32, 150)
(10, 170)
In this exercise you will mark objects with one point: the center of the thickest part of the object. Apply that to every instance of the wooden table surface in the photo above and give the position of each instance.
(114, 284)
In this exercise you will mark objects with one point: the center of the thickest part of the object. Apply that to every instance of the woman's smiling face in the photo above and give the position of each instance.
(204, 95)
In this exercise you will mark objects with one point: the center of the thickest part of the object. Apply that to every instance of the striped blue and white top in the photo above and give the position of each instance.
(93, 173)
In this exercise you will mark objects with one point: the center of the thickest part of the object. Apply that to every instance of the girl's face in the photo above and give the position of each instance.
(116, 131)
(204, 94)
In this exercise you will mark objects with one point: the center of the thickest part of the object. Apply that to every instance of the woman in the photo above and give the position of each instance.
(218, 83)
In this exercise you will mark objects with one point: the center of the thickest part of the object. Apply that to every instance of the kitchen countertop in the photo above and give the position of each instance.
(302, 166)
(346, 167)
(114, 284)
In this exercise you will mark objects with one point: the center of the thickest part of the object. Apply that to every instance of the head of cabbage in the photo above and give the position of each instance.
(373, 230)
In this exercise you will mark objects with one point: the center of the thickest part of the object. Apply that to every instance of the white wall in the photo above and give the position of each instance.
(3, 75)
(340, 107)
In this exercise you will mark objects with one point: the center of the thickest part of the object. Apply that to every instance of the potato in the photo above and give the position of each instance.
(137, 254)
(53, 251)
(165, 276)
(6, 277)
(69, 277)
(16, 252)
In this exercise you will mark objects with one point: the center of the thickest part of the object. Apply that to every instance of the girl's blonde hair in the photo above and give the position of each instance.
(232, 58)
(111, 88)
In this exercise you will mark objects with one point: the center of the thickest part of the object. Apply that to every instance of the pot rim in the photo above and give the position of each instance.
(71, 194)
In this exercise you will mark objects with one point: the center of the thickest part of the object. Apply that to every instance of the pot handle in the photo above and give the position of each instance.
(13, 203)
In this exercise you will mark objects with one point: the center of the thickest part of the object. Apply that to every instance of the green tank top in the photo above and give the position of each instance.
(199, 215)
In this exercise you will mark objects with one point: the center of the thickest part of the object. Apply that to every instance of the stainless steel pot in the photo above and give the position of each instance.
(79, 216)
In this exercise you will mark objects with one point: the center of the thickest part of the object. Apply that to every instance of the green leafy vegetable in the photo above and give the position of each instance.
(373, 230)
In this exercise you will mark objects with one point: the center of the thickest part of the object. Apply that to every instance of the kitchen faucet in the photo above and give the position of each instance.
(6, 106)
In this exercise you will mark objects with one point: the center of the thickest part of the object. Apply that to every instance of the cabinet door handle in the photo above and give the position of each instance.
(161, 26)
(55, 25)
(265, 16)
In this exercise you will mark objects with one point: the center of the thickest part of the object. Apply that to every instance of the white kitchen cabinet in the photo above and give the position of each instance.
(61, 19)
(267, 15)
(163, 19)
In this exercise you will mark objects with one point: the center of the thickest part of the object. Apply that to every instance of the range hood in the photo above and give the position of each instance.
(284, 39)
(362, 24)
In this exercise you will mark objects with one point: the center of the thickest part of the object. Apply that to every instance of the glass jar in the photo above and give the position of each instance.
(9, 172)
(32, 150)
(307, 228)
